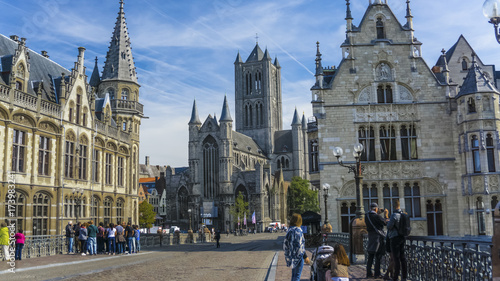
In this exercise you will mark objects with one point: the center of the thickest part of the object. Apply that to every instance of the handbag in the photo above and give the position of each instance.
(379, 231)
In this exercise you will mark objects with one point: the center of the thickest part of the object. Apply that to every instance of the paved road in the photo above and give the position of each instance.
(239, 258)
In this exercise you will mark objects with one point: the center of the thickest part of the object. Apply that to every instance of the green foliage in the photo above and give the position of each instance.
(146, 215)
(240, 209)
(300, 198)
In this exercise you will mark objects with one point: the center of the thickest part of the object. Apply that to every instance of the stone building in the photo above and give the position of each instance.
(61, 132)
(430, 136)
(258, 159)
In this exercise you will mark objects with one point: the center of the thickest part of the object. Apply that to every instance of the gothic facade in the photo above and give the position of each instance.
(65, 137)
(430, 135)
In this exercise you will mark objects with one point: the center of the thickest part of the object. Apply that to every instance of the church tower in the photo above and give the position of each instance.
(258, 97)
(119, 84)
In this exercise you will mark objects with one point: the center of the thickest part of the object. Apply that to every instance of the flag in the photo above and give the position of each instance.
(238, 220)
(245, 218)
(253, 218)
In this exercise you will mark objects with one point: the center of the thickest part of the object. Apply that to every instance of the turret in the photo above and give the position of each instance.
(319, 68)
(348, 16)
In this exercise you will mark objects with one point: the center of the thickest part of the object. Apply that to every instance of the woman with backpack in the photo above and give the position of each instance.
(83, 238)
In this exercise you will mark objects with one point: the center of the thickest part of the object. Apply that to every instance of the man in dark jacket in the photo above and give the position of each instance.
(70, 236)
(397, 242)
(376, 238)
(76, 228)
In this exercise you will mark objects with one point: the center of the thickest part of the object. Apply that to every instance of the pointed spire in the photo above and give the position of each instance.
(319, 67)
(304, 123)
(445, 71)
(195, 120)
(266, 55)
(348, 15)
(408, 9)
(95, 79)
(276, 62)
(238, 59)
(296, 119)
(256, 54)
(119, 62)
(225, 115)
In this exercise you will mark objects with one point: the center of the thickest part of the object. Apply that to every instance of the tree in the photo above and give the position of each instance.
(146, 214)
(300, 198)
(240, 208)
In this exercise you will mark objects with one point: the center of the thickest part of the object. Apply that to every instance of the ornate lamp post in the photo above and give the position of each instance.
(326, 187)
(357, 226)
(77, 195)
(491, 11)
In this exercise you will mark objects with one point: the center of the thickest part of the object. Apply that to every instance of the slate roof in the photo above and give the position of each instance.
(43, 71)
(225, 115)
(256, 54)
(476, 82)
(246, 144)
(282, 139)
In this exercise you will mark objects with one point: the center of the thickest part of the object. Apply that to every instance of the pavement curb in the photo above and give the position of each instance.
(271, 273)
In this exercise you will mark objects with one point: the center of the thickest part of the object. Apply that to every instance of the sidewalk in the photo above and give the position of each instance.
(283, 273)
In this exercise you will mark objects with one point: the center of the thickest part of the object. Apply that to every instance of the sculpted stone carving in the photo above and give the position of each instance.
(384, 72)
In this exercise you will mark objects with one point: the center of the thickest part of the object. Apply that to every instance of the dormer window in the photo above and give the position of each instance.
(380, 29)
(19, 85)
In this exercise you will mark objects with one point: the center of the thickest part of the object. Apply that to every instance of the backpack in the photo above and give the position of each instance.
(404, 227)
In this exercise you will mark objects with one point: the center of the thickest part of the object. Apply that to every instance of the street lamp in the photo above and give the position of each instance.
(357, 226)
(77, 195)
(491, 12)
(326, 187)
(357, 169)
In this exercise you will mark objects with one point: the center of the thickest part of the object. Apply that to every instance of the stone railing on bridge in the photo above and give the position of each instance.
(438, 258)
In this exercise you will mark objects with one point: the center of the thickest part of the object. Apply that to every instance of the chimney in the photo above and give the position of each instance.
(14, 38)
(81, 52)
(147, 160)
(45, 54)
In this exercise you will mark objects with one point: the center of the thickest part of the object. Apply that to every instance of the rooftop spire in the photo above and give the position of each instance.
(238, 58)
(348, 15)
(95, 79)
(319, 67)
(195, 120)
(296, 119)
(119, 60)
(225, 115)
(476, 81)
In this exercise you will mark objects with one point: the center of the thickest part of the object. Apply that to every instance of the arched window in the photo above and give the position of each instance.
(94, 209)
(434, 218)
(119, 210)
(258, 81)
(481, 223)
(380, 29)
(43, 155)
(250, 118)
(279, 163)
(313, 155)
(121, 168)
(210, 168)
(268, 207)
(183, 197)
(412, 200)
(408, 142)
(78, 106)
(384, 94)
(370, 195)
(16, 211)
(125, 94)
(367, 139)
(347, 213)
(96, 165)
(247, 116)
(287, 163)
(464, 64)
(241, 189)
(490, 151)
(41, 214)
(387, 143)
(108, 203)
(476, 159)
(471, 105)
(111, 93)
(391, 194)
(248, 84)
(19, 85)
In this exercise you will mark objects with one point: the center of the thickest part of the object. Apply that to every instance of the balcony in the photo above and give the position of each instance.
(126, 106)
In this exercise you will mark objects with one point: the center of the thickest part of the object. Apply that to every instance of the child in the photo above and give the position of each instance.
(19, 244)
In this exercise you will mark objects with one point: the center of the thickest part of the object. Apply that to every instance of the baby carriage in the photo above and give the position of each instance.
(318, 270)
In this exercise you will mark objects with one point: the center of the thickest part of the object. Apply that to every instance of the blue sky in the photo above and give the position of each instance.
(186, 49)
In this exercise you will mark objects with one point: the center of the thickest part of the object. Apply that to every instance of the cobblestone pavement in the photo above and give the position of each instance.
(239, 258)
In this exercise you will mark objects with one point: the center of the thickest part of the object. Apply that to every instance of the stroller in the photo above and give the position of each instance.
(318, 270)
